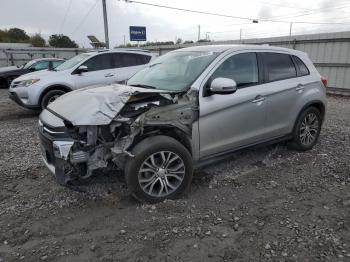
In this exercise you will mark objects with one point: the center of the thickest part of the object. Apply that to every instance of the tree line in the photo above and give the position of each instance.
(17, 35)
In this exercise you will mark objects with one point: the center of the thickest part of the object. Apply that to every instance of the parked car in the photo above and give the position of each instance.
(8, 74)
(184, 110)
(37, 90)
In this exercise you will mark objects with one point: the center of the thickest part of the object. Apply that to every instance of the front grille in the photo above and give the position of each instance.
(52, 132)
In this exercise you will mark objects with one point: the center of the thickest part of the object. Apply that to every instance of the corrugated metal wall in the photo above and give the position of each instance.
(15, 54)
(330, 52)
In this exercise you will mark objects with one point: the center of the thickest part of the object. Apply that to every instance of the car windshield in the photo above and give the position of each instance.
(29, 64)
(72, 62)
(174, 71)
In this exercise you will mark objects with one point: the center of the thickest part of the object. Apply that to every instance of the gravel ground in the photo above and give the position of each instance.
(261, 204)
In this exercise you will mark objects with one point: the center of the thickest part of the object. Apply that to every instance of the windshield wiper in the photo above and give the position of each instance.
(144, 86)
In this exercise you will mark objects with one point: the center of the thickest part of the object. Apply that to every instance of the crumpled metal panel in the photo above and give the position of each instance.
(95, 105)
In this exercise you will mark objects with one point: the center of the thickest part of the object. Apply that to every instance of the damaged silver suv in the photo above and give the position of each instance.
(184, 109)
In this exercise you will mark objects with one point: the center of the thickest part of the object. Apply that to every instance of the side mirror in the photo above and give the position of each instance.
(222, 85)
(32, 69)
(82, 69)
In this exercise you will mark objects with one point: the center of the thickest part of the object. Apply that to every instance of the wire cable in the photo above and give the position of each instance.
(254, 20)
(86, 15)
(65, 16)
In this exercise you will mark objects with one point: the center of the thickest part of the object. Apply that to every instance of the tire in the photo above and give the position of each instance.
(145, 170)
(307, 129)
(3, 83)
(50, 96)
(7, 81)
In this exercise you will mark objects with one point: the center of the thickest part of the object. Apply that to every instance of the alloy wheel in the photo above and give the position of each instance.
(161, 173)
(309, 129)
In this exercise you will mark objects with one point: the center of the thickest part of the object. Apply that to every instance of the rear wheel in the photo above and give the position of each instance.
(50, 97)
(307, 129)
(161, 169)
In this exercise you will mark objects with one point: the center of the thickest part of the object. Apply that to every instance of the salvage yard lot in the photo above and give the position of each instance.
(262, 204)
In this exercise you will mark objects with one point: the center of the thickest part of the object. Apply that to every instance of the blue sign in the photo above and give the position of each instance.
(137, 33)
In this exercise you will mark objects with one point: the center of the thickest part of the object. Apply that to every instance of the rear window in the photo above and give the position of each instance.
(302, 67)
(279, 66)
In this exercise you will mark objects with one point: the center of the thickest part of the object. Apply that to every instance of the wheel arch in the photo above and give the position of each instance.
(318, 104)
(166, 130)
(54, 87)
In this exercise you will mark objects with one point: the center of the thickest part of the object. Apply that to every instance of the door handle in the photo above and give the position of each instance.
(299, 87)
(109, 75)
(258, 99)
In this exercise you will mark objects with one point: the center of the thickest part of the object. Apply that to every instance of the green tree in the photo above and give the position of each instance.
(62, 41)
(178, 41)
(3, 36)
(17, 35)
(37, 40)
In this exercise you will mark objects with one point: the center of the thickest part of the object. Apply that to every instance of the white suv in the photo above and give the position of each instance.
(36, 90)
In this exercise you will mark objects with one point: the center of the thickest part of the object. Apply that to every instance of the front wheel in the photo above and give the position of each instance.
(307, 129)
(50, 97)
(161, 169)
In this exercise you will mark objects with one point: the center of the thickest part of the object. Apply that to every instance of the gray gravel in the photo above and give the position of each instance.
(262, 204)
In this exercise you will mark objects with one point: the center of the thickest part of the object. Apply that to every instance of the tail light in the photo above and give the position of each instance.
(324, 81)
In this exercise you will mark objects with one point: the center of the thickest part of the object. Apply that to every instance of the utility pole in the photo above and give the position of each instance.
(199, 32)
(290, 32)
(240, 35)
(105, 20)
(124, 40)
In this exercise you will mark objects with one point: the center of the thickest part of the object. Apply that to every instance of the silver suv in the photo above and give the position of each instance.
(36, 90)
(181, 111)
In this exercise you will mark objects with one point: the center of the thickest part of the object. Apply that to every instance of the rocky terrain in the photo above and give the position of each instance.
(262, 204)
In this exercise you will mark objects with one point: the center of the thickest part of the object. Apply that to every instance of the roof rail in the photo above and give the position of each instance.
(133, 49)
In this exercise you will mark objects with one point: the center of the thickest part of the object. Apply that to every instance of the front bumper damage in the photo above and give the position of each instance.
(81, 149)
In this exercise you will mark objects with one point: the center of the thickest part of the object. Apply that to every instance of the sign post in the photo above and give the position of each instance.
(137, 33)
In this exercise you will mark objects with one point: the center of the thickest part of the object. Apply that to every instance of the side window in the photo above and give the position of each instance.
(99, 62)
(56, 63)
(302, 67)
(40, 65)
(144, 59)
(243, 68)
(279, 66)
(127, 59)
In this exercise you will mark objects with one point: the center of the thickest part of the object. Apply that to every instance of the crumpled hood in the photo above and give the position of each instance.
(96, 105)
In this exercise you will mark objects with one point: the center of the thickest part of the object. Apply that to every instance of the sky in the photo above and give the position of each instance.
(79, 18)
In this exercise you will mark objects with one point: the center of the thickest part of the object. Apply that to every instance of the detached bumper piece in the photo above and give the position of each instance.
(55, 153)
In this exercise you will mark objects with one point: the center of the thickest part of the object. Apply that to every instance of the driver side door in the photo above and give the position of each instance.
(231, 121)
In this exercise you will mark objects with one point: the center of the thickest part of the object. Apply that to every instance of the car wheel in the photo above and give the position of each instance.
(50, 97)
(3, 83)
(160, 169)
(9, 80)
(307, 129)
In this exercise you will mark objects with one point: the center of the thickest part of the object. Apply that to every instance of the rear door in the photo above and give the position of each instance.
(282, 91)
(127, 64)
(101, 71)
(233, 120)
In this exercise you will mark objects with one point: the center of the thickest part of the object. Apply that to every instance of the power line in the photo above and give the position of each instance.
(315, 11)
(224, 15)
(65, 16)
(86, 15)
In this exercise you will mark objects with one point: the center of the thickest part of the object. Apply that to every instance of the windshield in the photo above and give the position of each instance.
(174, 71)
(29, 64)
(71, 62)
